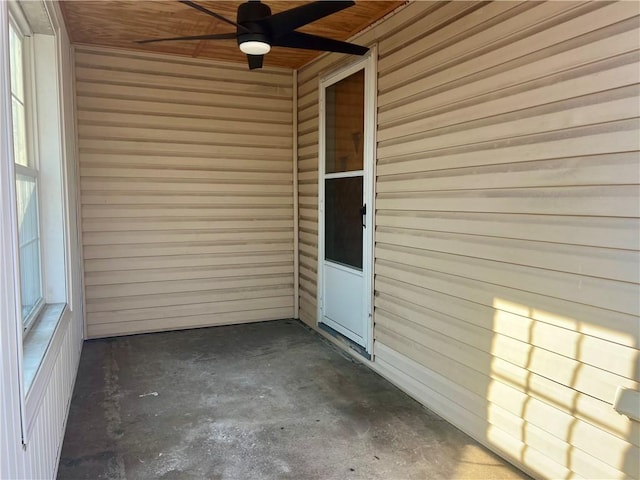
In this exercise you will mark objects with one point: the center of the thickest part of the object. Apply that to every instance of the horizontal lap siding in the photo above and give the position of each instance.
(308, 111)
(186, 188)
(507, 226)
(507, 223)
(308, 203)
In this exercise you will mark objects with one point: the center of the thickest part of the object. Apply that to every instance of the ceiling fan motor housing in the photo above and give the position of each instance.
(249, 15)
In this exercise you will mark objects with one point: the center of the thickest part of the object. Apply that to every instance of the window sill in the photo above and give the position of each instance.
(38, 340)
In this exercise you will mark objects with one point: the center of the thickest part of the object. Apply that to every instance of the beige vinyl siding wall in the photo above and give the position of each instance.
(507, 230)
(186, 183)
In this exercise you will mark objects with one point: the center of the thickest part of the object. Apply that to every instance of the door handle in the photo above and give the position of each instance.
(363, 212)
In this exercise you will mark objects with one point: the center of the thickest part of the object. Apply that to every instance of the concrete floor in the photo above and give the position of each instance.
(258, 401)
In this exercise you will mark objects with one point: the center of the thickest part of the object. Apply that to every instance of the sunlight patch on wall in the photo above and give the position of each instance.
(551, 392)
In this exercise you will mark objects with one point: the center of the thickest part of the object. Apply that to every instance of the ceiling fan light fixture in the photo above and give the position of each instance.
(253, 47)
(257, 29)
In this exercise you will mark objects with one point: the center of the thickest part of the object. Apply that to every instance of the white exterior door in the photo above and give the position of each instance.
(347, 120)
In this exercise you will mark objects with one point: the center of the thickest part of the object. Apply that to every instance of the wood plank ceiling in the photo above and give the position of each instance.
(120, 23)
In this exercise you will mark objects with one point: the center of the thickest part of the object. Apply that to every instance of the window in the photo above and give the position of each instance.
(39, 234)
(30, 262)
(38, 210)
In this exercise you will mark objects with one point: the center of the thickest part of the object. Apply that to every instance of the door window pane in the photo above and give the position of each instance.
(343, 221)
(344, 130)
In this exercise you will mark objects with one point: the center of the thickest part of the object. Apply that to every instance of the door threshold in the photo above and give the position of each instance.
(350, 343)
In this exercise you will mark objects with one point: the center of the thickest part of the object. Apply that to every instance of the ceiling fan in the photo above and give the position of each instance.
(257, 30)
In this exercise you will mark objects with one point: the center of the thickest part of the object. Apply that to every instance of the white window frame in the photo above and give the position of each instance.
(20, 25)
(35, 353)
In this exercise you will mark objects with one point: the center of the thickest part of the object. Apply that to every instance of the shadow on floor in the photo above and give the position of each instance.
(263, 400)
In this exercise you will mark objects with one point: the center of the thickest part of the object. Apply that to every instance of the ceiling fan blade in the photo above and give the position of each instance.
(255, 61)
(214, 14)
(287, 21)
(307, 41)
(214, 36)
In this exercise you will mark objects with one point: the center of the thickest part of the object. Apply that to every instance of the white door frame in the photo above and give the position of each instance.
(368, 64)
